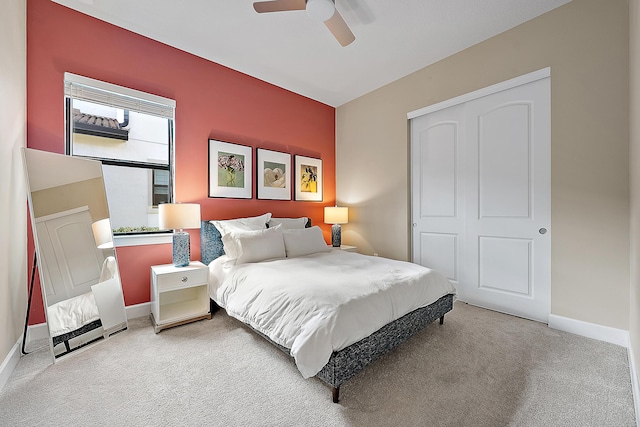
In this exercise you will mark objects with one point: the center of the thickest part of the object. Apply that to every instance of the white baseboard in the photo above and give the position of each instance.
(590, 330)
(9, 363)
(138, 310)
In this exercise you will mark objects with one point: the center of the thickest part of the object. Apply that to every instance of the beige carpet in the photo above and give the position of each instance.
(480, 368)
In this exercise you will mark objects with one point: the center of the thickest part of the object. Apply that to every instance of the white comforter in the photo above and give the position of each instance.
(324, 302)
(71, 314)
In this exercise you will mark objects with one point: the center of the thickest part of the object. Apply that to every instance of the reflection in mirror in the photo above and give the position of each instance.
(77, 263)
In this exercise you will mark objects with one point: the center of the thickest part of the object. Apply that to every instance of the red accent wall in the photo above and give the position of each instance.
(212, 101)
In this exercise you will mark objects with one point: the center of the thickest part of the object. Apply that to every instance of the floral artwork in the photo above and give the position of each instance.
(230, 170)
(308, 179)
(274, 177)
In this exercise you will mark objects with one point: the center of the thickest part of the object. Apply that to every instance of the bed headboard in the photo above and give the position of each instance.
(211, 246)
(210, 243)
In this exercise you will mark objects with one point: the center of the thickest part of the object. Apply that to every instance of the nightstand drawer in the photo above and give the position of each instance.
(181, 279)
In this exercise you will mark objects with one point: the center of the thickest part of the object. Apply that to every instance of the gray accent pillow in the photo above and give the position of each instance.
(289, 223)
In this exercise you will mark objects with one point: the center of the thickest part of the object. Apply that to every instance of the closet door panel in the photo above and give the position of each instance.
(504, 157)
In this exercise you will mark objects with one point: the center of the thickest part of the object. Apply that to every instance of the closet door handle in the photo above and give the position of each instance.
(542, 231)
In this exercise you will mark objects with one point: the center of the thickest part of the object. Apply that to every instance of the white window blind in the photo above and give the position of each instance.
(87, 89)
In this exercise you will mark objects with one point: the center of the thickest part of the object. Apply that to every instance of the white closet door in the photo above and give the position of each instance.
(438, 196)
(68, 239)
(508, 244)
(498, 248)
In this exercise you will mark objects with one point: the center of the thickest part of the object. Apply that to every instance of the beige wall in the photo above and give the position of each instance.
(586, 45)
(13, 215)
(89, 192)
(634, 50)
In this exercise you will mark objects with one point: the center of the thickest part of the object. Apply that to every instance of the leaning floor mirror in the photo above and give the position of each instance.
(76, 258)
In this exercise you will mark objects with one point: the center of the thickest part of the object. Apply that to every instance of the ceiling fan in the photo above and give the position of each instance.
(322, 10)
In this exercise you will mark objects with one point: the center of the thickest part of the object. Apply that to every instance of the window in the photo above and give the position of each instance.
(131, 133)
(160, 187)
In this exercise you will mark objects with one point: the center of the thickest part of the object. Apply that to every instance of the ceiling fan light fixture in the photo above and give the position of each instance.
(321, 10)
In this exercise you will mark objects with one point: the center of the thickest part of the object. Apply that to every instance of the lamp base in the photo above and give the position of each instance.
(181, 249)
(336, 235)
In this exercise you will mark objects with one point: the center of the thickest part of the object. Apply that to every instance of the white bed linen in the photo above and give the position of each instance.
(323, 302)
(71, 314)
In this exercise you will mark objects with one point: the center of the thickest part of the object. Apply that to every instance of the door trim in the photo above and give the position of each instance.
(56, 215)
(489, 90)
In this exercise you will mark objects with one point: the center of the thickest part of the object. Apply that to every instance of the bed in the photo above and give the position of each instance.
(334, 327)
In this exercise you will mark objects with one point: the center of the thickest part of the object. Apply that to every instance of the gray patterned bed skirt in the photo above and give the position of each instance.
(64, 338)
(347, 362)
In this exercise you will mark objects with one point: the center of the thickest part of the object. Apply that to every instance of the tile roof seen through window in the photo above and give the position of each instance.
(105, 127)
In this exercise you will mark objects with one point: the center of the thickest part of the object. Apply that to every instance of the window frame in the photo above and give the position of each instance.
(137, 101)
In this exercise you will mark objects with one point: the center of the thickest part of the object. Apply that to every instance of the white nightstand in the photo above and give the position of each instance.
(179, 294)
(346, 248)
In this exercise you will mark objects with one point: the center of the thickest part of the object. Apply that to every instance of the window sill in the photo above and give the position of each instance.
(143, 239)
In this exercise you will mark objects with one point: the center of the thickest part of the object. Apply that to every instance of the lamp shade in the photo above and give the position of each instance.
(173, 216)
(102, 233)
(336, 215)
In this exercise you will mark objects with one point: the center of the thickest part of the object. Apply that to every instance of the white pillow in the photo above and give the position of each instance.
(305, 241)
(259, 245)
(230, 244)
(289, 223)
(242, 224)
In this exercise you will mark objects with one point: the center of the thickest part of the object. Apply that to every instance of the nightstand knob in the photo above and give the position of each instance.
(184, 279)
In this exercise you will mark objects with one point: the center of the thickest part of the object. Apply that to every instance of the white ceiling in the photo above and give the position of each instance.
(290, 50)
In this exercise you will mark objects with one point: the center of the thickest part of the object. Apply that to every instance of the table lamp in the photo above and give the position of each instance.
(102, 233)
(177, 217)
(336, 215)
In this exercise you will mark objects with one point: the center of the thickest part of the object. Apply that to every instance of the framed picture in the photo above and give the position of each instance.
(273, 174)
(308, 176)
(230, 167)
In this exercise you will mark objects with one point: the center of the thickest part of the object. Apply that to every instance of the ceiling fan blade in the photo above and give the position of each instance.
(279, 5)
(339, 29)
